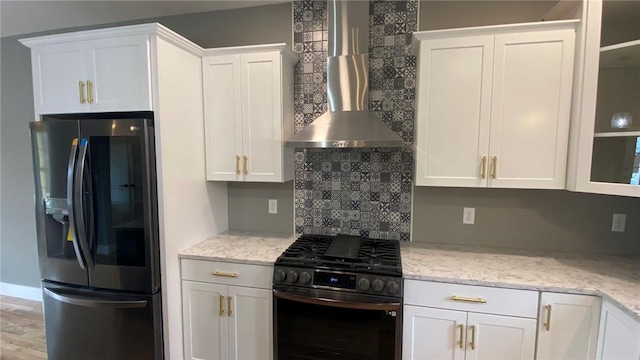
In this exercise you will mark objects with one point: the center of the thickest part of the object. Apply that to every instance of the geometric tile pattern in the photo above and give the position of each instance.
(365, 191)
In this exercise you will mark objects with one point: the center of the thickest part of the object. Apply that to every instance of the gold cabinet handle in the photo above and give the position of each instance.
(230, 312)
(547, 324)
(483, 171)
(467, 299)
(81, 88)
(246, 164)
(89, 92)
(238, 164)
(494, 168)
(473, 337)
(461, 336)
(225, 274)
(221, 305)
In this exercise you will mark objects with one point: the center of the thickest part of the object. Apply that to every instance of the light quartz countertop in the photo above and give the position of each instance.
(241, 247)
(615, 278)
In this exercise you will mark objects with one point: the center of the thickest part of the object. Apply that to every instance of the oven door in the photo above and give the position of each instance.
(324, 325)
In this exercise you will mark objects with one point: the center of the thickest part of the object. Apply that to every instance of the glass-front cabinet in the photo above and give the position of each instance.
(605, 149)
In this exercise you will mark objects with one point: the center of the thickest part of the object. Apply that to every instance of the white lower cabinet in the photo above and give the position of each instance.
(447, 334)
(568, 326)
(224, 321)
(437, 325)
(619, 337)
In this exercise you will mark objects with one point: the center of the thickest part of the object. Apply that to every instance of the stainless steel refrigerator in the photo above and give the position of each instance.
(97, 233)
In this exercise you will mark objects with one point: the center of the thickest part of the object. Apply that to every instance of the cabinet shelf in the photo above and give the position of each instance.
(617, 133)
(621, 55)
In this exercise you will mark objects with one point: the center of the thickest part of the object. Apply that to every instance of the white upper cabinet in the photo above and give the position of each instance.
(120, 71)
(605, 140)
(493, 105)
(249, 113)
(101, 71)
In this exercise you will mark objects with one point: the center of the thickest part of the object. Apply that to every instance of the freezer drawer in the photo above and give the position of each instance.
(88, 324)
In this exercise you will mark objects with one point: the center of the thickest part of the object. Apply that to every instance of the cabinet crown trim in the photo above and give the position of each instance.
(233, 50)
(490, 30)
(149, 29)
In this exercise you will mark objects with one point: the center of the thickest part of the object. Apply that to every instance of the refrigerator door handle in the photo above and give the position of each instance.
(79, 204)
(91, 302)
(73, 233)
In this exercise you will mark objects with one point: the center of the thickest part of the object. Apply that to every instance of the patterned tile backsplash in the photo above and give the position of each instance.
(365, 191)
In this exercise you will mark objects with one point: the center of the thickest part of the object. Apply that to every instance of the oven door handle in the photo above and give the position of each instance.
(393, 306)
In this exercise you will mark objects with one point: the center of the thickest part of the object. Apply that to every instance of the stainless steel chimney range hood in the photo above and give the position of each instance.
(348, 123)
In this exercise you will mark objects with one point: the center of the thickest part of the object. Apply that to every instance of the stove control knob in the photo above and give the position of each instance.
(280, 275)
(363, 284)
(393, 287)
(305, 277)
(292, 275)
(377, 285)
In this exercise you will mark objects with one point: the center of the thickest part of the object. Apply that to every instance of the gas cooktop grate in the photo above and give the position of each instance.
(373, 256)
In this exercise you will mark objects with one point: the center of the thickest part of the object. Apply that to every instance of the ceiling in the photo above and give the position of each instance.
(26, 16)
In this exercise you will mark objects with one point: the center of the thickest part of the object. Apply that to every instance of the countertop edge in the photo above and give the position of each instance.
(224, 259)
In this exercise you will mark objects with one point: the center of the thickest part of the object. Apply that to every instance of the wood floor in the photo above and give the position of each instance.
(21, 330)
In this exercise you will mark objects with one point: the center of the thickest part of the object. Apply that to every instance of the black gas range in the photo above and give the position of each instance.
(342, 263)
(338, 297)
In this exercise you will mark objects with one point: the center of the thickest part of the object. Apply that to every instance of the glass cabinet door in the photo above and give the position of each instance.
(616, 142)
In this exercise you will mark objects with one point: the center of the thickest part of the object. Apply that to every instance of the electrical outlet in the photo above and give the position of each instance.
(273, 206)
(469, 216)
(619, 222)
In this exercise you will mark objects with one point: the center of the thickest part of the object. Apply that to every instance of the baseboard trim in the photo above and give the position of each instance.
(21, 291)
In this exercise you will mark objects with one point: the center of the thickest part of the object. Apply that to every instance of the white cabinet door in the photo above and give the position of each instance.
(204, 320)
(530, 109)
(223, 117)
(619, 337)
(493, 105)
(120, 74)
(433, 334)
(250, 323)
(101, 75)
(567, 326)
(492, 337)
(453, 112)
(57, 71)
(262, 116)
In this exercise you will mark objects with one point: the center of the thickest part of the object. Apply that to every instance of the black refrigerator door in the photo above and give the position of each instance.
(86, 324)
(55, 154)
(119, 207)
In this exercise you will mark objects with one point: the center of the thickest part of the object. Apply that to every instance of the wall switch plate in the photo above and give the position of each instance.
(619, 222)
(469, 216)
(273, 206)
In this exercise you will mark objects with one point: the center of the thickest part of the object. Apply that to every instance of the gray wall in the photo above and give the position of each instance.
(18, 261)
(454, 14)
(18, 253)
(248, 207)
(527, 219)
